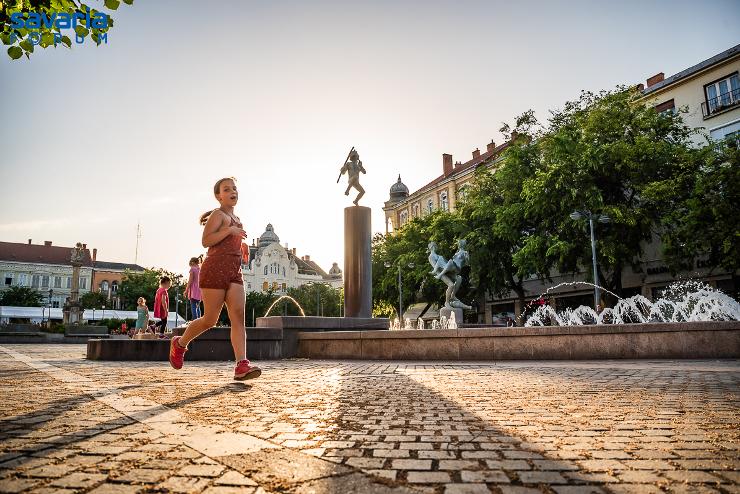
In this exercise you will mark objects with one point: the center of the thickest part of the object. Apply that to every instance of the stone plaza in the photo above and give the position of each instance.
(324, 426)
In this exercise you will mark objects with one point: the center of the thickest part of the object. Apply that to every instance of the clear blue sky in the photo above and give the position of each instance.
(276, 92)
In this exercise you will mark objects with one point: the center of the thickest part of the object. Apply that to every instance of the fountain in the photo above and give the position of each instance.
(687, 301)
(303, 314)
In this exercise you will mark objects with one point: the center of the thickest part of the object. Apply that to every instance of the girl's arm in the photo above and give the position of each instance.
(190, 283)
(214, 230)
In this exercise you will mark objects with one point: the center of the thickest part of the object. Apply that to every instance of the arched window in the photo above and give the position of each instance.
(104, 286)
(114, 287)
(443, 203)
(404, 217)
(283, 271)
(430, 205)
(265, 269)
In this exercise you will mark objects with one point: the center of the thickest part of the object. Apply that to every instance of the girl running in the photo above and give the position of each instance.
(221, 281)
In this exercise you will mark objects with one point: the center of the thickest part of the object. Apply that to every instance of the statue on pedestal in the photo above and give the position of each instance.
(352, 167)
(72, 308)
(449, 272)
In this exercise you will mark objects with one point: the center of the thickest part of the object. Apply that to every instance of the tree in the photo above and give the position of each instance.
(257, 303)
(499, 224)
(408, 245)
(605, 153)
(49, 16)
(135, 284)
(21, 296)
(93, 300)
(703, 207)
(316, 299)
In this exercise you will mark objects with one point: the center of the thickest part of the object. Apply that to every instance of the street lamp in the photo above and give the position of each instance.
(387, 264)
(51, 292)
(103, 316)
(591, 217)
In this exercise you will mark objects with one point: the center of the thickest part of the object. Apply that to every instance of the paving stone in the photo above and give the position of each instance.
(428, 477)
(536, 477)
(16, 485)
(487, 476)
(117, 489)
(79, 480)
(201, 470)
(466, 489)
(412, 465)
(142, 476)
(234, 478)
(354, 483)
(374, 463)
(184, 484)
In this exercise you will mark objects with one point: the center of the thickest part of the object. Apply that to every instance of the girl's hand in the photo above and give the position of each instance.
(235, 230)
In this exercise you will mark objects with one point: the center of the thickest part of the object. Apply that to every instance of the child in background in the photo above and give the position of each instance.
(142, 315)
(162, 304)
(192, 290)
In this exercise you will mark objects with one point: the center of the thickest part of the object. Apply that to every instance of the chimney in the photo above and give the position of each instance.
(476, 153)
(655, 79)
(29, 241)
(293, 250)
(95, 254)
(47, 243)
(446, 164)
(490, 146)
(84, 246)
(306, 258)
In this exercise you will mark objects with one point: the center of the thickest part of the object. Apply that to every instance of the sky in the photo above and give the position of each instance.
(96, 140)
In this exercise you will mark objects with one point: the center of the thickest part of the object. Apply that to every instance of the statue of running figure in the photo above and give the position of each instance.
(353, 166)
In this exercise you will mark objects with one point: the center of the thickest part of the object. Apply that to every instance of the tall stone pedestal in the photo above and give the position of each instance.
(358, 274)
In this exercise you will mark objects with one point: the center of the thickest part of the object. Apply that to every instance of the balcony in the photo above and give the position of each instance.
(721, 103)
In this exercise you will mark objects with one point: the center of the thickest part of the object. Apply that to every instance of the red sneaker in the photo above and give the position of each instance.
(245, 370)
(177, 353)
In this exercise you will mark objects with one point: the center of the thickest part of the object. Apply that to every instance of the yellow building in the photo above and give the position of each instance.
(441, 193)
(710, 90)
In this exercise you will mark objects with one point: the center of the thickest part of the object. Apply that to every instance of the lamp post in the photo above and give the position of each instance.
(51, 292)
(103, 316)
(591, 217)
(387, 264)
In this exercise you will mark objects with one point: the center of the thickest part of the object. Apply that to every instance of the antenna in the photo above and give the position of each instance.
(138, 236)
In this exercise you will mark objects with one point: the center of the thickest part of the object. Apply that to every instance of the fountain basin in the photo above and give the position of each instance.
(697, 340)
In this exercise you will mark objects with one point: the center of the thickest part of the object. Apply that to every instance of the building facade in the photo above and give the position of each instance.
(274, 267)
(710, 90)
(441, 193)
(46, 268)
(107, 277)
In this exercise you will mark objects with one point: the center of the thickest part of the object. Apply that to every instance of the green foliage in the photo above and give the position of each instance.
(408, 245)
(257, 304)
(317, 299)
(18, 38)
(21, 296)
(94, 300)
(703, 207)
(135, 284)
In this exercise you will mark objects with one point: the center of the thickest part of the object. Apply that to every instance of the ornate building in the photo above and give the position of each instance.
(275, 267)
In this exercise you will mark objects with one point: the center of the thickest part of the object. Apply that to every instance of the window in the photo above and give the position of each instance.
(249, 286)
(265, 285)
(462, 192)
(69, 282)
(104, 286)
(55, 304)
(722, 94)
(443, 200)
(283, 271)
(35, 281)
(666, 107)
(415, 210)
(404, 218)
(265, 269)
(114, 287)
(83, 283)
(274, 286)
(430, 205)
(23, 279)
(284, 287)
(45, 281)
(8, 279)
(57, 282)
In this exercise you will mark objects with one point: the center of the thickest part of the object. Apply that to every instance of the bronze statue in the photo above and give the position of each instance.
(449, 272)
(353, 166)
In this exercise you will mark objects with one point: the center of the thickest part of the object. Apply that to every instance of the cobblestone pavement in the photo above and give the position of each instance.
(72, 425)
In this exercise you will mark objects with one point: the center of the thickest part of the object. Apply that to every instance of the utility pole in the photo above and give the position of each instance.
(138, 236)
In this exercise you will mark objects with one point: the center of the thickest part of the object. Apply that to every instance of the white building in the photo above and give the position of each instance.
(45, 268)
(275, 267)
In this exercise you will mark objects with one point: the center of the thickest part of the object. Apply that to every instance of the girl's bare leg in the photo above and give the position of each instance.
(213, 302)
(235, 305)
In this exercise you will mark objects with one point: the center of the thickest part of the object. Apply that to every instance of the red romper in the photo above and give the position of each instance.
(223, 263)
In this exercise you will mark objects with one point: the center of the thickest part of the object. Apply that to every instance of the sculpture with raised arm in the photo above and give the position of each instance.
(353, 167)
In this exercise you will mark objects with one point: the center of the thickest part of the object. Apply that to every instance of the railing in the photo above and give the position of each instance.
(720, 103)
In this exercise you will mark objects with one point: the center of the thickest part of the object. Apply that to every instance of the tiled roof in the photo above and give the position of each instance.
(41, 254)
(116, 266)
(464, 166)
(720, 57)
